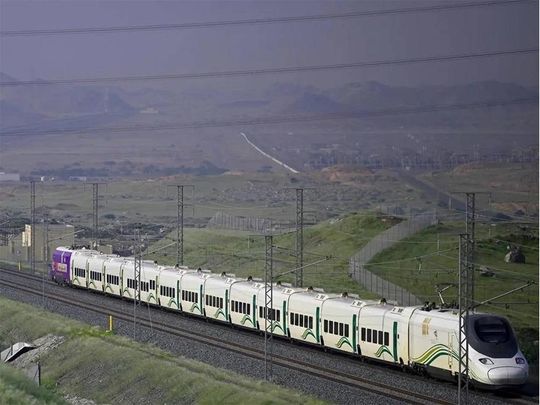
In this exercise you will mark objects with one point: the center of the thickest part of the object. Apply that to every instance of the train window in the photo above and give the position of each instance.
(326, 325)
(381, 337)
(206, 300)
(330, 327)
(278, 315)
(152, 284)
(260, 312)
(296, 322)
(368, 336)
(291, 321)
(248, 309)
(221, 302)
(302, 321)
(341, 329)
(347, 330)
(374, 336)
(311, 322)
(196, 297)
(243, 307)
(363, 334)
(386, 338)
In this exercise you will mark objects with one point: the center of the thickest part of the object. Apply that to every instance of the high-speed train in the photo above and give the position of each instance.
(419, 338)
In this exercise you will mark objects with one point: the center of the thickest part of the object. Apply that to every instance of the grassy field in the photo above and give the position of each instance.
(330, 243)
(111, 369)
(16, 388)
(430, 257)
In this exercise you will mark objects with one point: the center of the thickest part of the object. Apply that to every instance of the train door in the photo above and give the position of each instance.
(87, 275)
(452, 344)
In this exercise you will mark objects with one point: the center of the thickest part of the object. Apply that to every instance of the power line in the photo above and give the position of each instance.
(277, 70)
(256, 21)
(276, 119)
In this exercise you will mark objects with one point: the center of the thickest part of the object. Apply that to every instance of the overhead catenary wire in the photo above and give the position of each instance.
(257, 21)
(275, 70)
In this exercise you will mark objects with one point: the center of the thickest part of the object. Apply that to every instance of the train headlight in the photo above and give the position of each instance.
(485, 360)
(520, 360)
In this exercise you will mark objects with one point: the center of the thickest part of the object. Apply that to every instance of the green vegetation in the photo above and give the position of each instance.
(112, 369)
(430, 257)
(16, 388)
(330, 243)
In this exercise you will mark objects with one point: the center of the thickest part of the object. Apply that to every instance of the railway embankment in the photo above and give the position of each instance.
(87, 362)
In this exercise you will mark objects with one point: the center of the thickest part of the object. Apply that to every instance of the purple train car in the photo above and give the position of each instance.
(61, 260)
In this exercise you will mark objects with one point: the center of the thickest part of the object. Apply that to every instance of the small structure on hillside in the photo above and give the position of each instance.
(514, 255)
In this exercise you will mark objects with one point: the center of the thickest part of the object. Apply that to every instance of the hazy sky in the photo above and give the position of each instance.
(269, 45)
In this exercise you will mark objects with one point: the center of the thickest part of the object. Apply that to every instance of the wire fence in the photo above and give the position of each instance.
(221, 220)
(385, 240)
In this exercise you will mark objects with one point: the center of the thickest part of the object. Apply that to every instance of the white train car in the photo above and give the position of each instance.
(278, 313)
(494, 356)
(79, 266)
(339, 319)
(216, 297)
(112, 267)
(149, 276)
(96, 270)
(243, 302)
(192, 291)
(378, 332)
(304, 315)
(169, 287)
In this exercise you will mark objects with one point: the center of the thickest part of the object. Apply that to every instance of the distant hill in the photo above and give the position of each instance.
(384, 125)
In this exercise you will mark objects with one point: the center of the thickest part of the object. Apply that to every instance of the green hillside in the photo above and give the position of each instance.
(106, 368)
(430, 257)
(330, 244)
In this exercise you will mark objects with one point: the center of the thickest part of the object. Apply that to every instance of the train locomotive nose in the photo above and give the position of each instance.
(508, 375)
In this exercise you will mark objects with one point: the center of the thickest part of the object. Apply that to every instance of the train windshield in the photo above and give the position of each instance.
(492, 330)
(492, 335)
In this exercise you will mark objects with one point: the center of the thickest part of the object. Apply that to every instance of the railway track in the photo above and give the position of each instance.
(331, 375)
